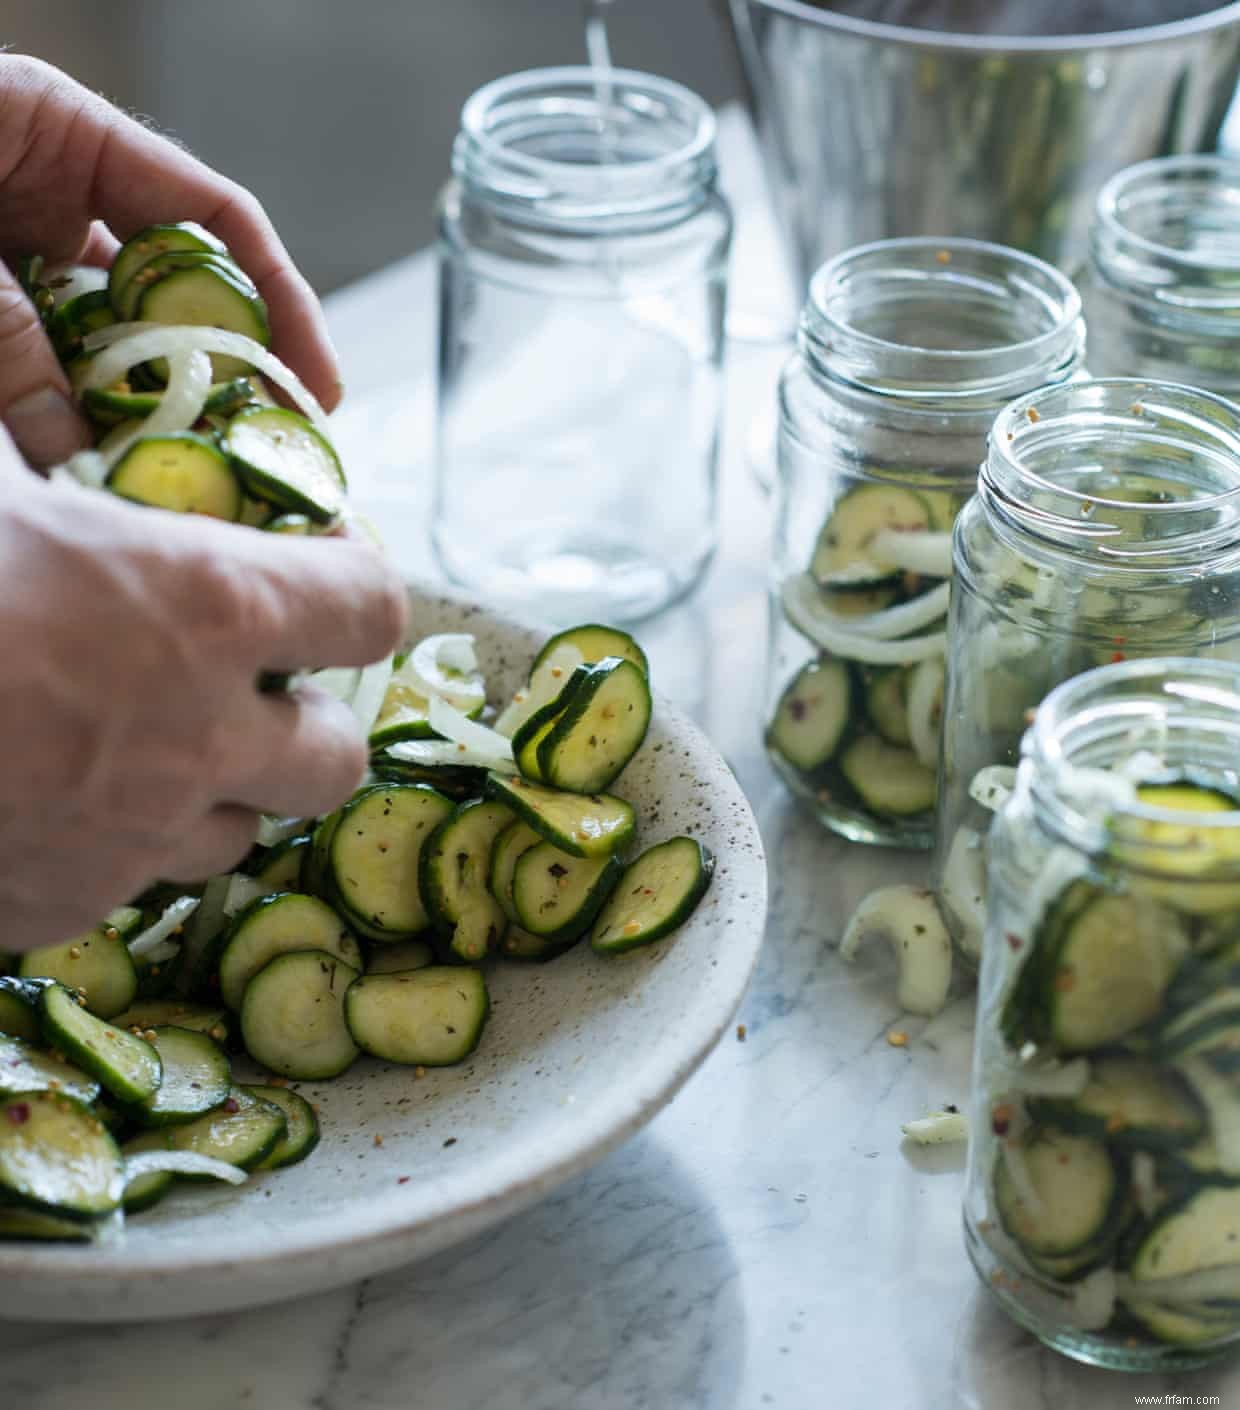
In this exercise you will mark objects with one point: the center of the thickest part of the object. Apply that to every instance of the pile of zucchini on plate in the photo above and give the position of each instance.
(364, 932)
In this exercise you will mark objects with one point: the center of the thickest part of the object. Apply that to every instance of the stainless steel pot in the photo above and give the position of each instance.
(872, 129)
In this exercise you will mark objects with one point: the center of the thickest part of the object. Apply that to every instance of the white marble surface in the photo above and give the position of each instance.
(767, 1241)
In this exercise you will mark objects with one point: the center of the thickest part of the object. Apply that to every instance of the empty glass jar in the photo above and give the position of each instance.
(906, 351)
(582, 252)
(1103, 1198)
(1106, 526)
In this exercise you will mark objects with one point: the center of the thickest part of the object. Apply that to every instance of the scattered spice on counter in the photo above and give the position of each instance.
(898, 1038)
(741, 1032)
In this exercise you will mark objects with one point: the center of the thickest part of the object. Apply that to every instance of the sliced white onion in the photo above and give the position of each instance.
(272, 831)
(963, 888)
(909, 920)
(992, 786)
(124, 345)
(368, 696)
(189, 384)
(1052, 1078)
(164, 951)
(544, 685)
(925, 709)
(1093, 1299)
(241, 891)
(1145, 1183)
(437, 753)
(172, 919)
(480, 740)
(802, 601)
(445, 665)
(70, 280)
(84, 467)
(939, 1128)
(181, 1163)
(885, 625)
(1216, 1093)
(338, 681)
(915, 551)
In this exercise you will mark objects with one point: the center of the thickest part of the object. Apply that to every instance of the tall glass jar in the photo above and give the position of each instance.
(582, 253)
(1103, 1199)
(1106, 526)
(906, 351)
(1162, 284)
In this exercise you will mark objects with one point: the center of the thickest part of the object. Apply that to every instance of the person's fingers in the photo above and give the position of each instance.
(100, 247)
(34, 391)
(298, 755)
(216, 843)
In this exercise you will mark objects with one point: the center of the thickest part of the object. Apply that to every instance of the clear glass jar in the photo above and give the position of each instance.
(1162, 284)
(582, 255)
(1103, 1200)
(906, 351)
(1106, 526)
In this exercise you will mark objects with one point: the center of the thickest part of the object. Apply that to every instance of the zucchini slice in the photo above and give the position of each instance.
(557, 896)
(280, 869)
(431, 1018)
(1190, 856)
(195, 1078)
(205, 293)
(126, 1065)
(282, 459)
(1128, 1101)
(813, 715)
(221, 266)
(23, 1068)
(1198, 1233)
(148, 1014)
(71, 322)
(516, 838)
(56, 1155)
(886, 703)
(111, 405)
(37, 1226)
(244, 1130)
(600, 728)
(1078, 1190)
(584, 825)
(146, 1190)
(98, 965)
(595, 644)
(405, 712)
(19, 1015)
(536, 726)
(375, 853)
(292, 1015)
(657, 893)
(182, 472)
(274, 925)
(157, 240)
(1183, 1326)
(454, 870)
(843, 553)
(301, 1133)
(888, 779)
(399, 956)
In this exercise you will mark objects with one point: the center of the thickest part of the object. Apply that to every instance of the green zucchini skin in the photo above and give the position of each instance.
(582, 825)
(600, 728)
(125, 1065)
(655, 895)
(97, 963)
(815, 716)
(57, 1156)
(292, 1015)
(430, 1017)
(556, 896)
(301, 1134)
(454, 872)
(596, 642)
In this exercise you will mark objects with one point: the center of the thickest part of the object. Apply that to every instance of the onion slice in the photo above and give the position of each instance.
(272, 831)
(925, 709)
(480, 741)
(909, 920)
(544, 685)
(171, 920)
(963, 888)
(446, 665)
(372, 686)
(993, 785)
(241, 891)
(189, 384)
(915, 551)
(939, 1128)
(181, 1163)
(802, 603)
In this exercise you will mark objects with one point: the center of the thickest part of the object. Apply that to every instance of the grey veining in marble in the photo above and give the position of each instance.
(766, 1242)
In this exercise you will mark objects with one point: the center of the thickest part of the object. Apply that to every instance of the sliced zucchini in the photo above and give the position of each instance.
(454, 870)
(431, 1018)
(537, 725)
(23, 1068)
(599, 730)
(72, 321)
(813, 715)
(153, 241)
(843, 553)
(1128, 1101)
(19, 1017)
(657, 893)
(405, 712)
(1198, 1233)
(195, 1077)
(111, 405)
(244, 1130)
(280, 869)
(516, 838)
(1079, 1194)
(35, 1225)
(316, 859)
(457, 782)
(127, 1066)
(520, 945)
(1192, 860)
(596, 643)
(886, 778)
(581, 824)
(274, 925)
(149, 1014)
(861, 601)
(147, 1189)
(886, 703)
(292, 1015)
(98, 965)
(557, 896)
(1182, 1326)
(375, 855)
(399, 956)
(222, 267)
(282, 459)
(207, 294)
(56, 1155)
(182, 472)
(301, 1133)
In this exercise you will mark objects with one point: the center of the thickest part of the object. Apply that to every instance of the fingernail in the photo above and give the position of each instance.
(46, 427)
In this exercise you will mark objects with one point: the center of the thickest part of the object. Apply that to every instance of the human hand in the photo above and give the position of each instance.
(136, 745)
(76, 173)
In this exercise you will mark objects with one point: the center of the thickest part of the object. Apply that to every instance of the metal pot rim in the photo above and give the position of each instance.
(1218, 18)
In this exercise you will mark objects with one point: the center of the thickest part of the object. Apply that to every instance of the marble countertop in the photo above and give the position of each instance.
(767, 1241)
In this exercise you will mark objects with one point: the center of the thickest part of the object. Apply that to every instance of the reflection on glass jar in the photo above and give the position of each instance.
(906, 351)
(1162, 284)
(1106, 526)
(1103, 1198)
(583, 250)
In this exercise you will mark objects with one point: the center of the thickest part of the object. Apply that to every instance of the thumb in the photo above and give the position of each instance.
(35, 402)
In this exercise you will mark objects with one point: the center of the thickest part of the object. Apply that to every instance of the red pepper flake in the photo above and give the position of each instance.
(1065, 981)
(1001, 1119)
(1117, 657)
(19, 1113)
(1014, 941)
(402, 1179)
(232, 1106)
(1119, 640)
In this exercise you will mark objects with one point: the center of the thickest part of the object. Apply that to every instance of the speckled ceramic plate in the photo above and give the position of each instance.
(577, 1055)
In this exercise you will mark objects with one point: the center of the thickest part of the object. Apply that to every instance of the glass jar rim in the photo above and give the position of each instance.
(955, 267)
(1065, 516)
(580, 98)
(1105, 707)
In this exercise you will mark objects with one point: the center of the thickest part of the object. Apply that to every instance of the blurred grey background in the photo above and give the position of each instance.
(340, 116)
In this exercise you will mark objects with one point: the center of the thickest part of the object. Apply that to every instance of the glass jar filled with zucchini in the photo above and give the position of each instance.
(1106, 526)
(1103, 1198)
(1162, 284)
(906, 351)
